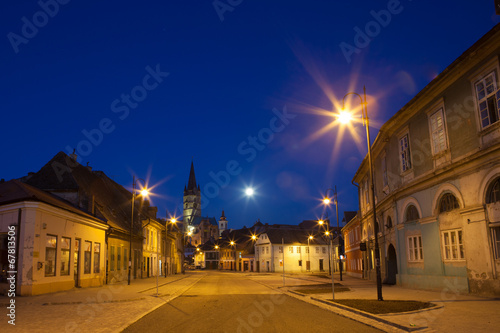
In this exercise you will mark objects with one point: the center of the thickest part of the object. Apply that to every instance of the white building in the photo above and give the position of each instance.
(292, 249)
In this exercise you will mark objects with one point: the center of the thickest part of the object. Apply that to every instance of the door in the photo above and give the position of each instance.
(76, 262)
(392, 266)
(308, 265)
(321, 265)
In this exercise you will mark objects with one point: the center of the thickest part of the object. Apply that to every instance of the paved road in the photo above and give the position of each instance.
(228, 302)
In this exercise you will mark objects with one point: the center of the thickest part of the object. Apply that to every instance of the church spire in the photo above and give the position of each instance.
(192, 179)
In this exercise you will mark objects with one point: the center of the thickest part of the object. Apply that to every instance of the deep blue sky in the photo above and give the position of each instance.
(225, 78)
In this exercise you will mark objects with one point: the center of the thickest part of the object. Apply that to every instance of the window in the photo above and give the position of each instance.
(280, 249)
(50, 255)
(267, 249)
(97, 257)
(317, 249)
(389, 222)
(453, 246)
(111, 258)
(448, 203)
(298, 249)
(87, 248)
(65, 251)
(300, 262)
(415, 252)
(384, 172)
(290, 249)
(404, 153)
(307, 249)
(118, 258)
(495, 241)
(323, 249)
(411, 213)
(366, 192)
(125, 265)
(488, 97)
(438, 132)
(494, 192)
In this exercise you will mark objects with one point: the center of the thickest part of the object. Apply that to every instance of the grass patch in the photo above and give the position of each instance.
(320, 288)
(381, 307)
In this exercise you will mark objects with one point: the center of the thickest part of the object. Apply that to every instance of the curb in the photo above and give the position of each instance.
(371, 316)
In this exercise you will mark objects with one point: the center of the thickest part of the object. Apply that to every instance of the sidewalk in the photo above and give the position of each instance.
(110, 308)
(455, 312)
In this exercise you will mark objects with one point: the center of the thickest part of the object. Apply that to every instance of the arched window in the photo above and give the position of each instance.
(493, 194)
(448, 203)
(411, 213)
(388, 224)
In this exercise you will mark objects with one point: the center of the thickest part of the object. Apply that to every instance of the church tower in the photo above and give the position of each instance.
(191, 200)
(222, 224)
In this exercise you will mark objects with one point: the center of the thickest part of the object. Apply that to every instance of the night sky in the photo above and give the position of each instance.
(245, 89)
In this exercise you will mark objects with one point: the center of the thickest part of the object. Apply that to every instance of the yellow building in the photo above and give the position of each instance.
(53, 246)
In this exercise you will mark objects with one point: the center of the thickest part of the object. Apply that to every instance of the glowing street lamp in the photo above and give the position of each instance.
(232, 243)
(144, 193)
(249, 191)
(364, 115)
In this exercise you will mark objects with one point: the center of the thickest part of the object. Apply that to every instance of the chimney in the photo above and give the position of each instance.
(73, 155)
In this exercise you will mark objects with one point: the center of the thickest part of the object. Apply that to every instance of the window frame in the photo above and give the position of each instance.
(65, 252)
(414, 250)
(494, 95)
(97, 257)
(448, 203)
(50, 250)
(495, 241)
(448, 249)
(440, 129)
(405, 164)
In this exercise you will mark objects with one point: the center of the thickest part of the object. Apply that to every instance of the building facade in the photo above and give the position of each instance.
(437, 181)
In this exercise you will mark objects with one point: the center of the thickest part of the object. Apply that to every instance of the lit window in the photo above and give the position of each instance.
(298, 249)
(487, 97)
(307, 249)
(50, 255)
(87, 248)
(448, 203)
(97, 257)
(111, 258)
(404, 153)
(453, 246)
(290, 249)
(415, 252)
(65, 251)
(438, 132)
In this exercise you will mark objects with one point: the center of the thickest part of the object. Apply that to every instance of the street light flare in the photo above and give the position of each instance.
(249, 191)
(326, 200)
(344, 117)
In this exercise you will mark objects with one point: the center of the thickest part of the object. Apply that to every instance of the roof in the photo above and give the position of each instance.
(192, 188)
(294, 236)
(197, 220)
(15, 191)
(111, 200)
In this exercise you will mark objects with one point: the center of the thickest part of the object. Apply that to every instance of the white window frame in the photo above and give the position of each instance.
(495, 241)
(452, 243)
(482, 103)
(414, 248)
(438, 133)
(290, 249)
(405, 153)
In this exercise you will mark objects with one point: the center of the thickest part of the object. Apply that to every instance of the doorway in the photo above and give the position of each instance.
(392, 266)
(76, 262)
(321, 265)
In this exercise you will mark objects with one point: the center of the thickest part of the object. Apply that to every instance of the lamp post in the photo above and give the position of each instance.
(173, 221)
(218, 256)
(232, 243)
(329, 235)
(364, 115)
(309, 253)
(327, 201)
(144, 193)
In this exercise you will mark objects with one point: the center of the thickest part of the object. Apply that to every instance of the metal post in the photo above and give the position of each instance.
(283, 253)
(131, 229)
(308, 254)
(333, 284)
(372, 185)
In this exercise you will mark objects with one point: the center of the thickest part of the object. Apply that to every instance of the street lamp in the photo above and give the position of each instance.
(364, 115)
(329, 235)
(232, 243)
(144, 192)
(173, 220)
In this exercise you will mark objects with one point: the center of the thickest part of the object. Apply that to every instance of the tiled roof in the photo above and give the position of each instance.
(15, 191)
(112, 201)
(198, 219)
